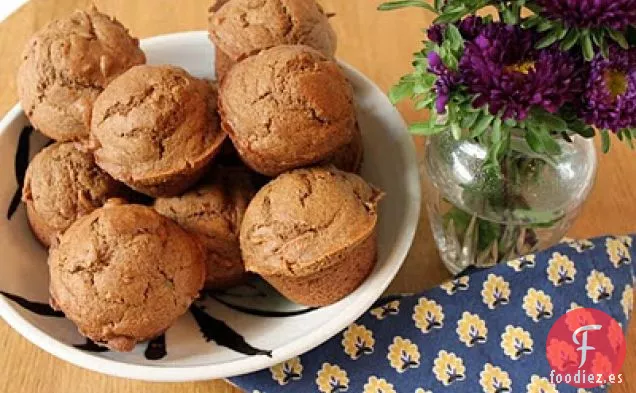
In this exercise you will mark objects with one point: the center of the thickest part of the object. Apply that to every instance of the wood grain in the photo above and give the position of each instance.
(378, 44)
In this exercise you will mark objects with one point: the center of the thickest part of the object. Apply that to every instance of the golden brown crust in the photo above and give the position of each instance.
(62, 184)
(214, 211)
(287, 107)
(347, 272)
(67, 64)
(305, 223)
(124, 274)
(222, 64)
(155, 128)
(242, 28)
(349, 157)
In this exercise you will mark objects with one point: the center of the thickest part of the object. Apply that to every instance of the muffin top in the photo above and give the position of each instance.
(287, 106)
(214, 211)
(153, 122)
(297, 221)
(124, 273)
(65, 67)
(63, 183)
(241, 28)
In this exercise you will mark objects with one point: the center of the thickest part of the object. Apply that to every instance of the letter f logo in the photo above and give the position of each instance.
(583, 346)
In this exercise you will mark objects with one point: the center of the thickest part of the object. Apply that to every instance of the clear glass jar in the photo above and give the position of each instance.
(480, 217)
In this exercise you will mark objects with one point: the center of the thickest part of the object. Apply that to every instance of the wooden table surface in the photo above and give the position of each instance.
(378, 44)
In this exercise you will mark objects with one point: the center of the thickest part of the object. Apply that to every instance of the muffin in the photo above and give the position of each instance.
(155, 128)
(287, 107)
(242, 28)
(349, 157)
(123, 274)
(311, 233)
(213, 211)
(61, 185)
(66, 65)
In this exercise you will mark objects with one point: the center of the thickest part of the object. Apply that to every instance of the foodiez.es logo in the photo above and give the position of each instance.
(586, 349)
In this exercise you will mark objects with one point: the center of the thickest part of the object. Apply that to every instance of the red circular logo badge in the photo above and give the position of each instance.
(586, 349)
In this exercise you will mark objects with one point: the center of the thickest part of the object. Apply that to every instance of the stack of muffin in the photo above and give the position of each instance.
(122, 271)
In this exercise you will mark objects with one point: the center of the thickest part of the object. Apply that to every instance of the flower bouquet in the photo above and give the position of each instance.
(513, 98)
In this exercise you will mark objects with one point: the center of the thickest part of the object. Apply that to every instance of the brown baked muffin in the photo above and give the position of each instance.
(242, 28)
(349, 157)
(123, 274)
(214, 211)
(62, 184)
(286, 107)
(67, 64)
(156, 129)
(311, 233)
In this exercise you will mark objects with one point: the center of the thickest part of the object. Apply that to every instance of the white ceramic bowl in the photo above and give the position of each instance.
(253, 312)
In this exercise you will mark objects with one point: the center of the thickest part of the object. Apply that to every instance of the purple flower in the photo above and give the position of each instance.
(435, 33)
(446, 80)
(617, 14)
(503, 70)
(610, 95)
(470, 27)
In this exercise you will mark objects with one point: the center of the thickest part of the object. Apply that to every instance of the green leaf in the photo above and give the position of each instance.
(456, 129)
(394, 5)
(530, 22)
(424, 103)
(605, 141)
(545, 25)
(400, 91)
(570, 39)
(548, 39)
(619, 38)
(551, 146)
(425, 129)
(496, 130)
(481, 125)
(469, 120)
(454, 36)
(588, 47)
(552, 122)
(534, 141)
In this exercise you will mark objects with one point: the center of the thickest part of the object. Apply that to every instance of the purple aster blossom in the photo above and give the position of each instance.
(435, 33)
(502, 69)
(470, 27)
(446, 80)
(617, 14)
(610, 95)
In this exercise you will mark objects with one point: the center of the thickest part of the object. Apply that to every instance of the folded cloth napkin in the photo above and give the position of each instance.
(484, 332)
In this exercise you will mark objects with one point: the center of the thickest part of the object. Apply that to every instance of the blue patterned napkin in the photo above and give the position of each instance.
(489, 328)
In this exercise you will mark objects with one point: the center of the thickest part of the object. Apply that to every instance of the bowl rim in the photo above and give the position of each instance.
(162, 373)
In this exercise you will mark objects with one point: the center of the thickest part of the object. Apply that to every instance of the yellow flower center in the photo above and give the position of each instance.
(523, 68)
(616, 82)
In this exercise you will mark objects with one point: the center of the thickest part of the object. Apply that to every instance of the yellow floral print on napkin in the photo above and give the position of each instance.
(288, 371)
(618, 251)
(599, 287)
(494, 380)
(459, 284)
(448, 368)
(358, 341)
(561, 269)
(332, 379)
(495, 292)
(627, 300)
(471, 329)
(390, 308)
(537, 305)
(522, 263)
(516, 342)
(428, 315)
(403, 354)
(540, 385)
(378, 385)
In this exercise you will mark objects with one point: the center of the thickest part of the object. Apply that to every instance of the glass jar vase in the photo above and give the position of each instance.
(481, 216)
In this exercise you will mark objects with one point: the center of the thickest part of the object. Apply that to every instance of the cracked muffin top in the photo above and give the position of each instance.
(65, 67)
(214, 211)
(156, 125)
(124, 273)
(62, 184)
(287, 107)
(302, 218)
(241, 28)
